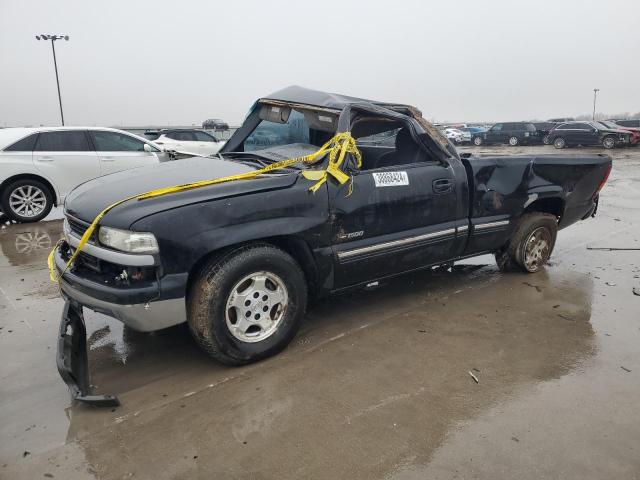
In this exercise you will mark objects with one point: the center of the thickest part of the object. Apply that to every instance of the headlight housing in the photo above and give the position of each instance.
(128, 241)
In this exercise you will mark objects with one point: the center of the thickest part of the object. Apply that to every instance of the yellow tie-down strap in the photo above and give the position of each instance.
(337, 149)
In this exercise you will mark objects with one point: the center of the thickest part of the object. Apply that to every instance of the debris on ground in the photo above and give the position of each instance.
(474, 377)
(636, 291)
(625, 369)
(611, 284)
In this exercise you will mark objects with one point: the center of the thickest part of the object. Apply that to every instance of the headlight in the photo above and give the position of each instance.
(127, 241)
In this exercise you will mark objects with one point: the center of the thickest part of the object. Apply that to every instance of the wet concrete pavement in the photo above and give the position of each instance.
(376, 385)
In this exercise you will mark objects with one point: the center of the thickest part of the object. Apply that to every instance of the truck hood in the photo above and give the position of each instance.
(87, 200)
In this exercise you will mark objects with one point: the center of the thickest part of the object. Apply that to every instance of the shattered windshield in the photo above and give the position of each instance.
(271, 134)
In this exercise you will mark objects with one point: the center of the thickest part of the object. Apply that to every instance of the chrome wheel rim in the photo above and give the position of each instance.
(513, 141)
(609, 143)
(477, 141)
(537, 249)
(27, 201)
(256, 306)
(559, 143)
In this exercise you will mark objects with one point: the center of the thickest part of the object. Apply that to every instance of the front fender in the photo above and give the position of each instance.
(186, 234)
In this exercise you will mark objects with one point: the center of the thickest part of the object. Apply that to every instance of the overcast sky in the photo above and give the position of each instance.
(180, 62)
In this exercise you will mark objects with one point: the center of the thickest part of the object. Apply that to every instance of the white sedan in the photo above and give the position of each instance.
(186, 141)
(40, 166)
(454, 135)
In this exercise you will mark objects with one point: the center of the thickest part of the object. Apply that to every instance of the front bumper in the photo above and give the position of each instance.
(72, 360)
(147, 315)
(139, 309)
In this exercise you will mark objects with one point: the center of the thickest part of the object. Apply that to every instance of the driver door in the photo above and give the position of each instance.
(397, 218)
(206, 144)
(495, 134)
(118, 151)
(587, 134)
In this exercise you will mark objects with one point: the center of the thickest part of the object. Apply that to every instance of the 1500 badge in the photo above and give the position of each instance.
(390, 179)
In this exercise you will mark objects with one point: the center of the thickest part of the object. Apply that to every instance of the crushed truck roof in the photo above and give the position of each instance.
(307, 96)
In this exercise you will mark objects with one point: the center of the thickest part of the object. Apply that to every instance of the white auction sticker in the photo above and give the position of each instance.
(390, 179)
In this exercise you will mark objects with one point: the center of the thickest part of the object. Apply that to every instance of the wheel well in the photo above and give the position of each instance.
(554, 206)
(294, 246)
(27, 176)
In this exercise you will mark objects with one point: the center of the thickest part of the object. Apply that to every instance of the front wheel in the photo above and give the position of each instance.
(609, 142)
(248, 304)
(477, 141)
(531, 244)
(559, 143)
(26, 200)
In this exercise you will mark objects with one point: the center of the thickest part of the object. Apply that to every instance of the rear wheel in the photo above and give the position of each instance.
(248, 304)
(477, 141)
(545, 139)
(26, 200)
(513, 141)
(559, 143)
(608, 142)
(531, 244)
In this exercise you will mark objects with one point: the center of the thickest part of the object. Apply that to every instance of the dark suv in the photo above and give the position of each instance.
(215, 124)
(512, 133)
(588, 134)
(628, 123)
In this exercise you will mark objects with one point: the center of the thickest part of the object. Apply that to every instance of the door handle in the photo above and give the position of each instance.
(442, 185)
(45, 158)
(108, 159)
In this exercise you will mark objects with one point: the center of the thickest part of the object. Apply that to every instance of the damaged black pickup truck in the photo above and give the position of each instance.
(238, 260)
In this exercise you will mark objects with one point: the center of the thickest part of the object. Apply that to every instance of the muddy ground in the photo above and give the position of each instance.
(376, 385)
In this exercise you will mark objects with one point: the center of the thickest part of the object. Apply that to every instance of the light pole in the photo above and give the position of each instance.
(595, 95)
(53, 38)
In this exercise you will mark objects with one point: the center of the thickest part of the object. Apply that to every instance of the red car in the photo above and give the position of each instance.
(634, 131)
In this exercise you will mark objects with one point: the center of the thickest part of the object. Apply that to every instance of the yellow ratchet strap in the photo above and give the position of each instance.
(337, 148)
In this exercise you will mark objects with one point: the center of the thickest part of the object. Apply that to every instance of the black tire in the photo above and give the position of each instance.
(207, 303)
(609, 142)
(532, 227)
(559, 142)
(513, 141)
(477, 141)
(24, 184)
(545, 140)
